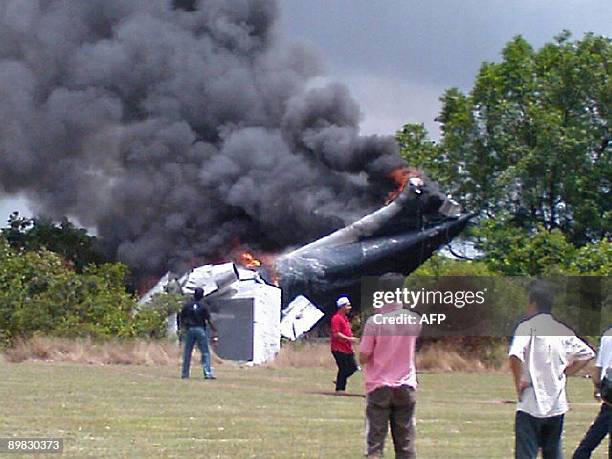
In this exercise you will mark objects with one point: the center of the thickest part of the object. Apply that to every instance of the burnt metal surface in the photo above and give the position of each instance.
(322, 271)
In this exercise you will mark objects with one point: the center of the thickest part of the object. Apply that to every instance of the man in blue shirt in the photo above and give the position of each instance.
(192, 322)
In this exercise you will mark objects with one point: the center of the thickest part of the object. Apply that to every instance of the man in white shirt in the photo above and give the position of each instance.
(602, 425)
(543, 352)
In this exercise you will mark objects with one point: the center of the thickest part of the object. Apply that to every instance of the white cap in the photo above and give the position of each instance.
(342, 301)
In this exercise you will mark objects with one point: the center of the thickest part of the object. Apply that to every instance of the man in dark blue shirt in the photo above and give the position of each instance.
(192, 323)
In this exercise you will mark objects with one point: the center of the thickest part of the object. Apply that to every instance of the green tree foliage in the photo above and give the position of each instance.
(41, 293)
(152, 320)
(593, 258)
(415, 145)
(514, 251)
(443, 266)
(73, 244)
(530, 144)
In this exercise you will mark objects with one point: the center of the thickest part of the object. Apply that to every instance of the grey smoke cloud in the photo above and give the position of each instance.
(175, 133)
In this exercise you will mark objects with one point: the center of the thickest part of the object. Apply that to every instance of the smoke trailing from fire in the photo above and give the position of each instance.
(176, 129)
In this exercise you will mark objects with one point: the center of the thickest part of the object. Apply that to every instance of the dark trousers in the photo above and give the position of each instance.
(395, 406)
(533, 433)
(196, 336)
(601, 427)
(346, 367)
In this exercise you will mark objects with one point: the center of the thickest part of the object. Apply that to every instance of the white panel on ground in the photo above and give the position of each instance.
(300, 316)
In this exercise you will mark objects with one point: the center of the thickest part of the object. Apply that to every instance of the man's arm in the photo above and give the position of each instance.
(516, 365)
(336, 333)
(208, 318)
(343, 336)
(579, 354)
(596, 377)
(575, 367)
(212, 325)
(364, 358)
(518, 347)
(179, 318)
(366, 346)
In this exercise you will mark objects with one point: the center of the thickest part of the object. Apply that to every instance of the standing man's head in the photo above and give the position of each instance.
(198, 294)
(541, 298)
(390, 282)
(343, 304)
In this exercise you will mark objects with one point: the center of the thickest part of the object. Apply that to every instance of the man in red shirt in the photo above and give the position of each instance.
(342, 343)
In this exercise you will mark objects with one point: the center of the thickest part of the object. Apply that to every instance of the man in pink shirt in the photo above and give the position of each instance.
(387, 354)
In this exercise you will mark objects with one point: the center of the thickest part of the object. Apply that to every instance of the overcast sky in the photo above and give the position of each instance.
(398, 56)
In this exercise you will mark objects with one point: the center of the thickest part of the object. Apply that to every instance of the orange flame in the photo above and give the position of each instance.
(400, 176)
(248, 260)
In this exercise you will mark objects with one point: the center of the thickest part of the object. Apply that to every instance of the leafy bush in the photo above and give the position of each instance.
(40, 293)
(152, 320)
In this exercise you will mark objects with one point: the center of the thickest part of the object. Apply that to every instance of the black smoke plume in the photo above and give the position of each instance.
(175, 128)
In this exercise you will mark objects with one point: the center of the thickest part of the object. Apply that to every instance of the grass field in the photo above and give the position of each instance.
(147, 411)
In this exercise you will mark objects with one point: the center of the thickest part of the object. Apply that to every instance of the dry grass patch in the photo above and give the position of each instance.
(129, 352)
(437, 359)
(304, 355)
(85, 350)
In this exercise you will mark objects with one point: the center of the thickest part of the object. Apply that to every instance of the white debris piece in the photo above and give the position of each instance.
(299, 317)
(160, 287)
(210, 278)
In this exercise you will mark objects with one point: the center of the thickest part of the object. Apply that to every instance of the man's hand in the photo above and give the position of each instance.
(520, 387)
(596, 377)
(597, 391)
(575, 367)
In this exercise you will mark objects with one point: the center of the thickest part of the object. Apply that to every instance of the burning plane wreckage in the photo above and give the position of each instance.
(253, 303)
(221, 133)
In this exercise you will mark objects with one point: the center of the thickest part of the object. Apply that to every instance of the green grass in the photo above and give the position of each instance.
(139, 411)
